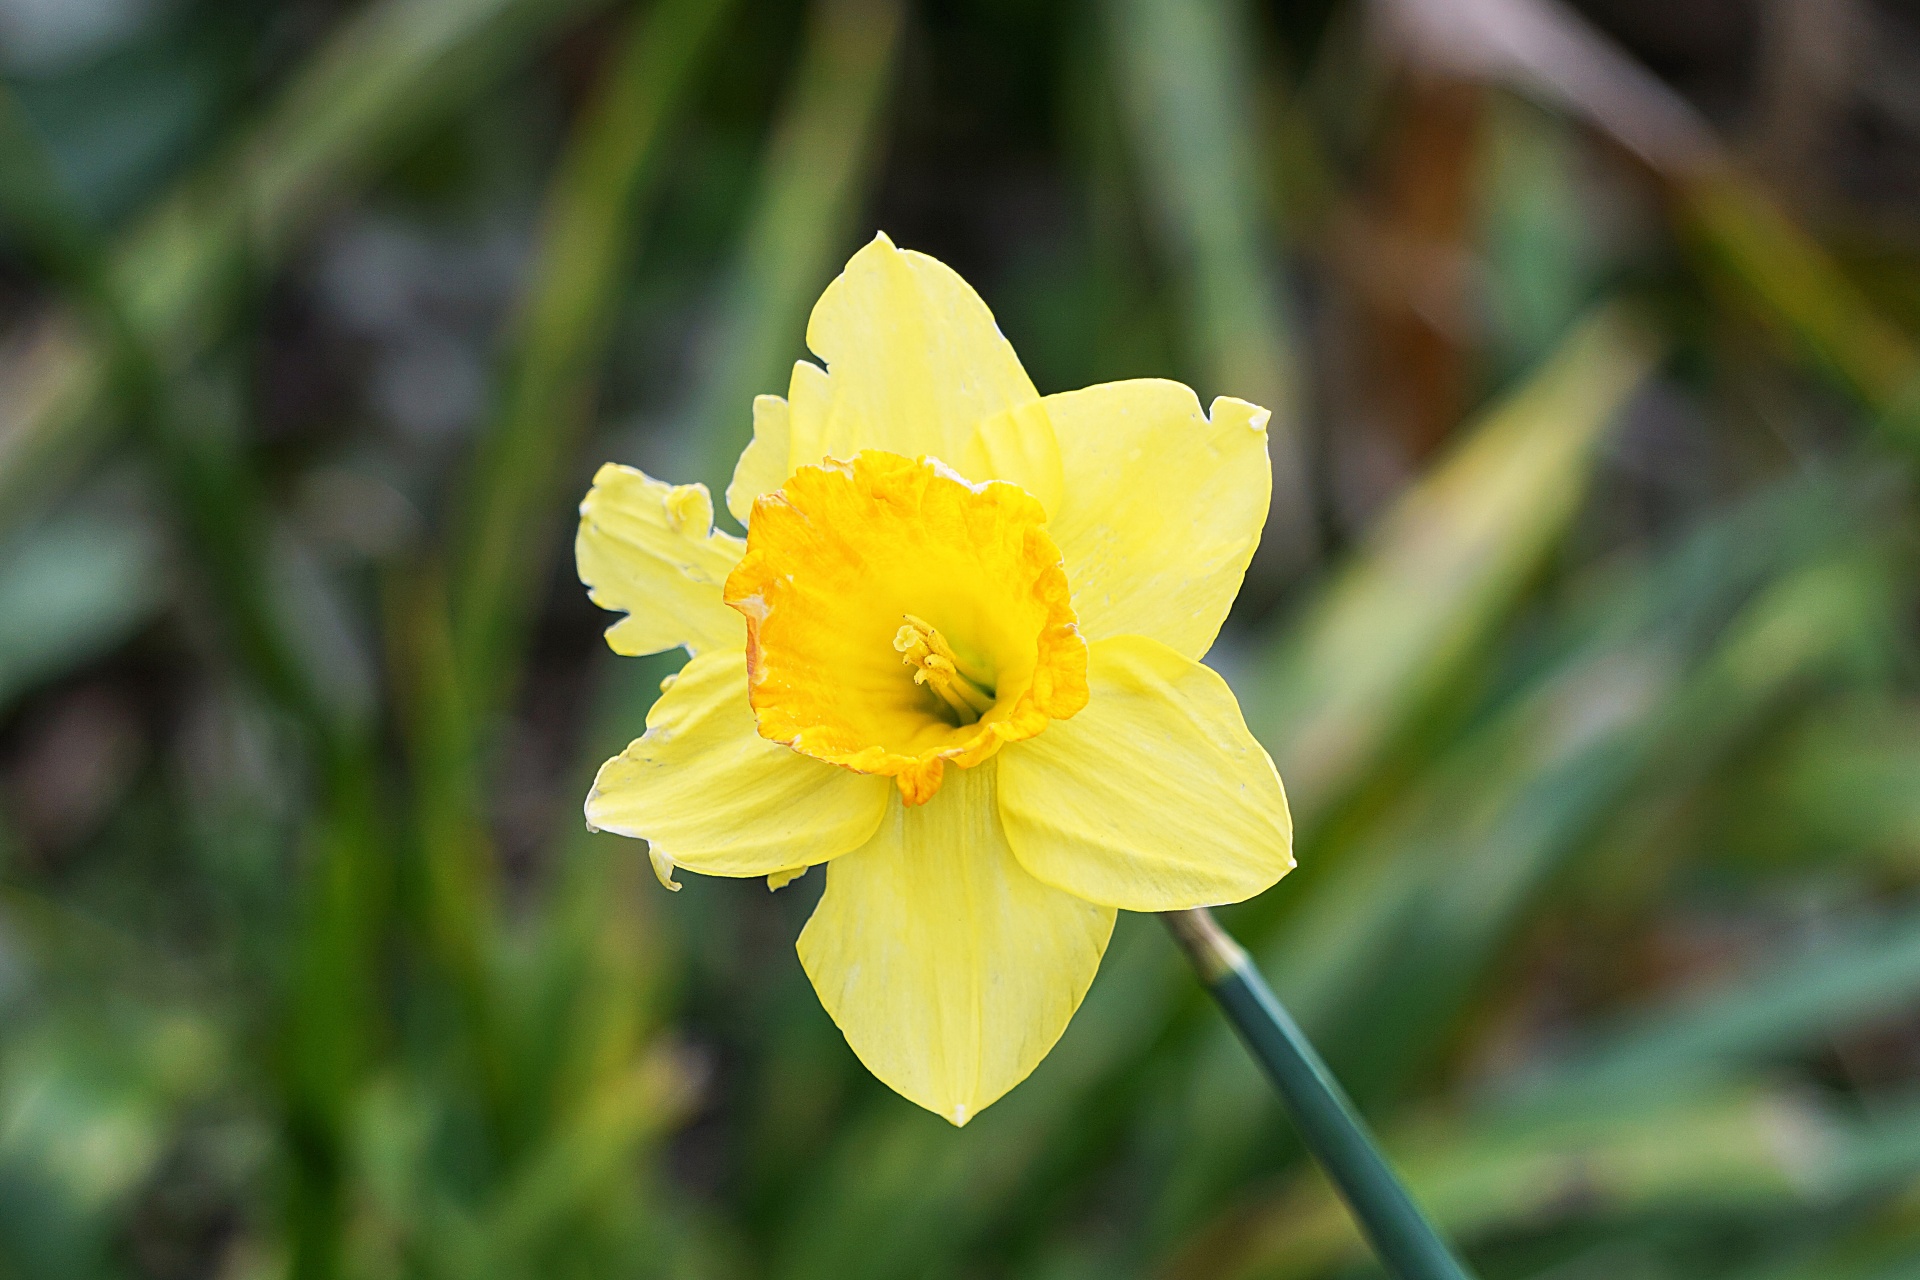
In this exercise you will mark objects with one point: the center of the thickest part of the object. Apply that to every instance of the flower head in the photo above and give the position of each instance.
(956, 658)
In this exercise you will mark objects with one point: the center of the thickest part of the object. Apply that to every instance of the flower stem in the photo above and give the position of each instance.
(1400, 1233)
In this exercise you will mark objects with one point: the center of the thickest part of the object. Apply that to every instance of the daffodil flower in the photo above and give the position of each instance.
(956, 659)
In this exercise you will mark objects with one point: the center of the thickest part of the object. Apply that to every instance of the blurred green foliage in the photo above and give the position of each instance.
(1583, 636)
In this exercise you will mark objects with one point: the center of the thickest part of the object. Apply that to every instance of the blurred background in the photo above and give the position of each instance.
(1583, 632)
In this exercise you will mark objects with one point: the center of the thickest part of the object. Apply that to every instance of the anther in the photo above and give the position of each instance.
(935, 666)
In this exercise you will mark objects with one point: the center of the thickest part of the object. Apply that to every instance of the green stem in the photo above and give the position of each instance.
(1400, 1233)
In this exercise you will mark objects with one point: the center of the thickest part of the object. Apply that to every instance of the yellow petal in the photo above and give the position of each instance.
(711, 795)
(950, 969)
(786, 434)
(649, 549)
(809, 396)
(1018, 446)
(1153, 798)
(763, 463)
(915, 359)
(1162, 507)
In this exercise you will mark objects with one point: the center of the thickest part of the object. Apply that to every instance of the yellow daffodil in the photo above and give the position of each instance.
(956, 658)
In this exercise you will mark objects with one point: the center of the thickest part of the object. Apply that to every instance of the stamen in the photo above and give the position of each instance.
(935, 665)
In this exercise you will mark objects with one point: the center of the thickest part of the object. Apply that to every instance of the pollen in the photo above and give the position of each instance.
(845, 566)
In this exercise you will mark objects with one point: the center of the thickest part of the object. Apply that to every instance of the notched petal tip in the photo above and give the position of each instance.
(915, 356)
(648, 549)
(1227, 410)
(593, 803)
(663, 868)
(1141, 454)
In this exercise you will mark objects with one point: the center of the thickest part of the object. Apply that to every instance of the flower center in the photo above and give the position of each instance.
(900, 618)
(966, 693)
